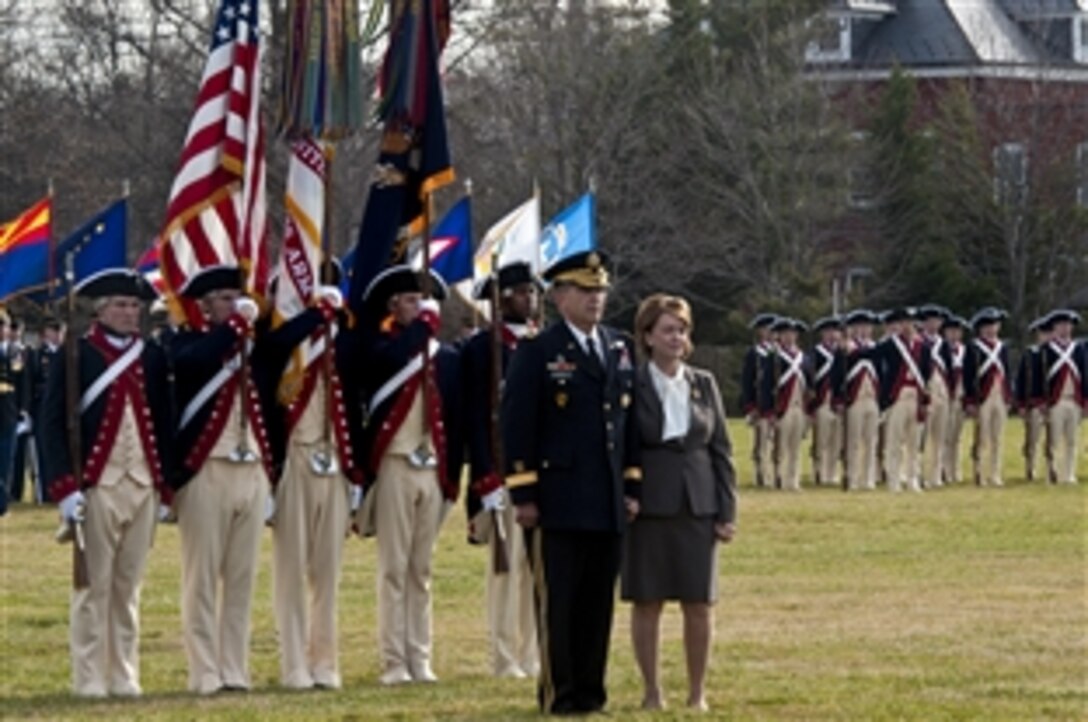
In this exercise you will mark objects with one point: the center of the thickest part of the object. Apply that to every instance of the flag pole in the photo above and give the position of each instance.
(51, 271)
(326, 277)
(500, 560)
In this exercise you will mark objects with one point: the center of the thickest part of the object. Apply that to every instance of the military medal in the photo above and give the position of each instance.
(625, 400)
(561, 399)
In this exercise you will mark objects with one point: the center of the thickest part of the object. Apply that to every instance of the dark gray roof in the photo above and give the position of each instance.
(922, 32)
(1028, 9)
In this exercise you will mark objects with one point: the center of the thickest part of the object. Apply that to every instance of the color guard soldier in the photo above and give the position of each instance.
(411, 460)
(14, 402)
(954, 350)
(42, 361)
(827, 437)
(1066, 366)
(935, 431)
(574, 476)
(124, 428)
(510, 594)
(904, 369)
(317, 408)
(222, 485)
(987, 393)
(785, 397)
(1031, 395)
(750, 388)
(857, 392)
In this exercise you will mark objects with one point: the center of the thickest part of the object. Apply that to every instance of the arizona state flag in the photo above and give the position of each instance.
(414, 159)
(24, 250)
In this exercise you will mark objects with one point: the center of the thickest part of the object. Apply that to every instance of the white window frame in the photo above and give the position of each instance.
(1004, 187)
(859, 200)
(1080, 38)
(1082, 174)
(815, 54)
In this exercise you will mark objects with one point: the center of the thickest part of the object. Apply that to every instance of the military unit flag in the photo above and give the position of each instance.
(24, 250)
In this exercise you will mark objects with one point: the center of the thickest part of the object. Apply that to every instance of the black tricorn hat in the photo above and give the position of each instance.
(402, 279)
(763, 320)
(511, 275)
(588, 269)
(212, 278)
(785, 323)
(861, 315)
(905, 313)
(987, 316)
(827, 322)
(932, 310)
(1062, 314)
(116, 282)
(954, 321)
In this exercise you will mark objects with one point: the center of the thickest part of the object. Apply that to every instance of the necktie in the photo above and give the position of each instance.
(594, 357)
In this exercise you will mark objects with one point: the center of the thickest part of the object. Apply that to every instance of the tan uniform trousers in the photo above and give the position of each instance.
(308, 540)
(1064, 419)
(220, 518)
(936, 433)
(992, 415)
(901, 441)
(953, 463)
(510, 619)
(791, 430)
(862, 426)
(104, 618)
(408, 511)
(765, 461)
(1035, 421)
(828, 429)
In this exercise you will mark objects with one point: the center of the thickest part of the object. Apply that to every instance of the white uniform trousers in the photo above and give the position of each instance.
(308, 540)
(765, 460)
(510, 615)
(408, 511)
(901, 428)
(220, 517)
(790, 431)
(953, 464)
(862, 426)
(992, 414)
(1035, 422)
(935, 435)
(1064, 418)
(828, 429)
(104, 620)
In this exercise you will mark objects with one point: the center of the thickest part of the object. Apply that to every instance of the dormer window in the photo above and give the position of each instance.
(1080, 39)
(830, 40)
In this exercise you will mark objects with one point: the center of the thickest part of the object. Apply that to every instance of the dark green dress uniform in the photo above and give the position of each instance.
(14, 399)
(572, 449)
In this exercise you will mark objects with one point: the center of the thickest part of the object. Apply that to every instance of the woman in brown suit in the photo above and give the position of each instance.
(688, 499)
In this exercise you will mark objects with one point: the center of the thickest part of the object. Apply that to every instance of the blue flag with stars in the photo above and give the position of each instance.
(96, 245)
(571, 231)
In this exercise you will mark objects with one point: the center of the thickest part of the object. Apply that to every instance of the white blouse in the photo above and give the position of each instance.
(675, 395)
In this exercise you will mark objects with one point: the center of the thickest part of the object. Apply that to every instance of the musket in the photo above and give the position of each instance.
(757, 448)
(1030, 442)
(80, 574)
(323, 462)
(500, 560)
(975, 451)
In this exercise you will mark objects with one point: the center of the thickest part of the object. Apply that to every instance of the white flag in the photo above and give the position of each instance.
(516, 238)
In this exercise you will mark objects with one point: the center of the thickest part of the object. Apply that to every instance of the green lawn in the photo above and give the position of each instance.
(960, 603)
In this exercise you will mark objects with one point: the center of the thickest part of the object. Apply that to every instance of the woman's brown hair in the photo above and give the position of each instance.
(650, 312)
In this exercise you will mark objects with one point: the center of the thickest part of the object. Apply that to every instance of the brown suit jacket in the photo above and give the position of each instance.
(699, 467)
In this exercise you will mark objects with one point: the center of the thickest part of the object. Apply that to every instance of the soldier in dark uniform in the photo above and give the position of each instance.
(1029, 393)
(750, 384)
(14, 402)
(1064, 366)
(784, 397)
(827, 436)
(24, 429)
(904, 372)
(509, 594)
(856, 384)
(987, 392)
(413, 458)
(222, 480)
(41, 361)
(124, 426)
(574, 477)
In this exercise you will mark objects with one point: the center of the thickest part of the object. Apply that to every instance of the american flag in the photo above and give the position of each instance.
(216, 212)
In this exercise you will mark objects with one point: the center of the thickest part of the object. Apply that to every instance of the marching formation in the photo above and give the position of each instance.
(894, 409)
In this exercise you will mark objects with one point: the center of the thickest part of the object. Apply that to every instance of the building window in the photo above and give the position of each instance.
(861, 191)
(1010, 174)
(830, 40)
(1082, 175)
(1080, 39)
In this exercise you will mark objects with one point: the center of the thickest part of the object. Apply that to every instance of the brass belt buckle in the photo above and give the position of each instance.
(323, 462)
(422, 458)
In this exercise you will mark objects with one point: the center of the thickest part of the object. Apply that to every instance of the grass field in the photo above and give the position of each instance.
(961, 603)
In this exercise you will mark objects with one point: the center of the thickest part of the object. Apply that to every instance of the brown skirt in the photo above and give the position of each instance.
(670, 559)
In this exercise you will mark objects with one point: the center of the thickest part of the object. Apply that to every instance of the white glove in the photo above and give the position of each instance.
(429, 304)
(25, 425)
(247, 308)
(356, 497)
(269, 508)
(166, 514)
(495, 500)
(330, 295)
(73, 506)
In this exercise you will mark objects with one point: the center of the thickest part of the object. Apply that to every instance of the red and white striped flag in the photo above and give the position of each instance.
(216, 213)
